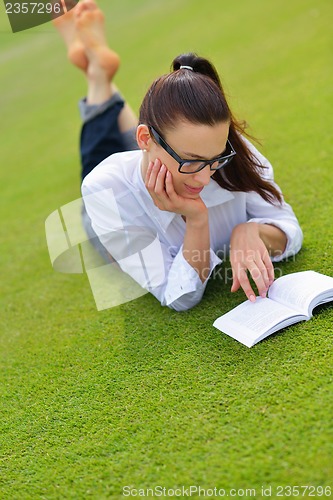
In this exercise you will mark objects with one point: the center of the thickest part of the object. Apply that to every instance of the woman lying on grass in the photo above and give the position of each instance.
(195, 186)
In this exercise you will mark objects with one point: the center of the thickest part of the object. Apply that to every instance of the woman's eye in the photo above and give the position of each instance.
(191, 166)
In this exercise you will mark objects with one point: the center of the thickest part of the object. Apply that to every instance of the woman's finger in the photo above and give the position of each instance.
(245, 284)
(169, 187)
(151, 175)
(262, 268)
(270, 268)
(148, 173)
(235, 283)
(258, 278)
(160, 181)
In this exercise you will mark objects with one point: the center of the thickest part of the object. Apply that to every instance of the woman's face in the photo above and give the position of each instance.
(191, 141)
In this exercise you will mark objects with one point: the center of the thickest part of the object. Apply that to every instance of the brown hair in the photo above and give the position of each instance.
(197, 96)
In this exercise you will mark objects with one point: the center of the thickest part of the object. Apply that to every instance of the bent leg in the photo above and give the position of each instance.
(100, 135)
(108, 121)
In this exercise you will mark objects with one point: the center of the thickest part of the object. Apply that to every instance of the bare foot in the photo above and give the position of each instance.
(89, 22)
(65, 24)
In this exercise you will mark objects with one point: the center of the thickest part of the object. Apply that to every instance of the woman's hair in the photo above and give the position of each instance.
(193, 92)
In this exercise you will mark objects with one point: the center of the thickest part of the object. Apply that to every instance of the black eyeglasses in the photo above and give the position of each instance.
(193, 166)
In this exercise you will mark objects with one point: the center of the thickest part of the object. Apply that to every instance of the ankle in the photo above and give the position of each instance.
(97, 74)
(99, 88)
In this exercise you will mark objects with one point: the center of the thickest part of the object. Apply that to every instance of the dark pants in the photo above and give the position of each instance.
(100, 138)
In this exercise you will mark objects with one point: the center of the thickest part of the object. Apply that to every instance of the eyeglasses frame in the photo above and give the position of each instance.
(181, 161)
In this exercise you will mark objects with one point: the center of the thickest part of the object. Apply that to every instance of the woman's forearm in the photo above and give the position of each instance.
(196, 246)
(274, 239)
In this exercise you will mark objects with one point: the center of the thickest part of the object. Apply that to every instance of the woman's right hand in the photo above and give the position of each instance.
(159, 184)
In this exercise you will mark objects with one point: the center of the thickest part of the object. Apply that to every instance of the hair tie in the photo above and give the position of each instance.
(186, 67)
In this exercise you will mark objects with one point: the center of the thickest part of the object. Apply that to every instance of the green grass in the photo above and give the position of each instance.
(140, 395)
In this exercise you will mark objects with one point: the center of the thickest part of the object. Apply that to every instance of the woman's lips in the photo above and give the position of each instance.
(193, 190)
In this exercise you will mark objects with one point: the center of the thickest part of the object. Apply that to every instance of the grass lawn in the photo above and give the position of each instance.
(139, 395)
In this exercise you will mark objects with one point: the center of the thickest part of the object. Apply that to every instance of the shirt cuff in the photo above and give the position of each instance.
(293, 233)
(185, 288)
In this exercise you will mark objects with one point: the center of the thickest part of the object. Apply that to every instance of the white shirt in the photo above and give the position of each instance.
(147, 242)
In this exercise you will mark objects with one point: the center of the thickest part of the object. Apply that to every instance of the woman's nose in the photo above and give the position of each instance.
(203, 176)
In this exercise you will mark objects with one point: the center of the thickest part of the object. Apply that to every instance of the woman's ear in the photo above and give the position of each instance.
(143, 137)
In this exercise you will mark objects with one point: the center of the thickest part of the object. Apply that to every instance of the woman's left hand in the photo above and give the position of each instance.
(248, 253)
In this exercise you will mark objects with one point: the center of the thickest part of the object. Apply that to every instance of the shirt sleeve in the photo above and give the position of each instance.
(140, 253)
(171, 279)
(279, 215)
(184, 288)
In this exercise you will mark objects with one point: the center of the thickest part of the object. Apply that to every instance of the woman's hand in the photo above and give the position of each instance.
(160, 186)
(196, 244)
(248, 253)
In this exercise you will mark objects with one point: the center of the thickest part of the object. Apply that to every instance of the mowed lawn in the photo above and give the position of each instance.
(140, 396)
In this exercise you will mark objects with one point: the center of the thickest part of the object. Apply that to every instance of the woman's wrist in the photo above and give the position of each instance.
(199, 220)
(273, 237)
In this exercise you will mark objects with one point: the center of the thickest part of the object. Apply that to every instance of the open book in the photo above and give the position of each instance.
(291, 298)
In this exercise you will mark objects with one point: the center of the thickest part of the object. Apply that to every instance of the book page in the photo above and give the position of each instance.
(252, 321)
(299, 290)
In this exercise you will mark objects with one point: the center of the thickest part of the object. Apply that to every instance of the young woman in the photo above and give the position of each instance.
(195, 187)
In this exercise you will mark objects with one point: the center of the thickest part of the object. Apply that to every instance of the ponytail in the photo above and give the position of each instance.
(198, 65)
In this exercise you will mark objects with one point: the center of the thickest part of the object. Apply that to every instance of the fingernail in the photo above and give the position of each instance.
(252, 298)
(263, 295)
